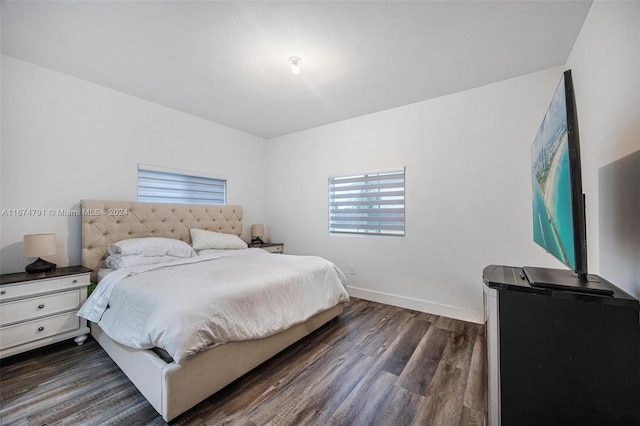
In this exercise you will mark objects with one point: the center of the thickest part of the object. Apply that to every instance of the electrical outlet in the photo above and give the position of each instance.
(352, 269)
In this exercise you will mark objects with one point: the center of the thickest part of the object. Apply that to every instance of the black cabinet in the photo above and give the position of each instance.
(558, 357)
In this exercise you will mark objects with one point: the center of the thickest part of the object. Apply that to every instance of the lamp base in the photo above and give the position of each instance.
(256, 242)
(40, 265)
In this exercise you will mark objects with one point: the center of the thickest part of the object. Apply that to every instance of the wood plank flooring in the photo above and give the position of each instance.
(374, 365)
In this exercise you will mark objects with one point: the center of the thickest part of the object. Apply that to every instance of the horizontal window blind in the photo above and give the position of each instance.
(371, 203)
(170, 187)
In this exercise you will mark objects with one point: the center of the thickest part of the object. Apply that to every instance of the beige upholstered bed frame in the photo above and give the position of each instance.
(173, 388)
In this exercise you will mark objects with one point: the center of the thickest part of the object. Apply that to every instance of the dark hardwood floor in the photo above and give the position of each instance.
(375, 365)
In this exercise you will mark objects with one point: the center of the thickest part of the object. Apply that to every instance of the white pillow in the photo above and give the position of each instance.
(201, 239)
(209, 252)
(117, 261)
(152, 246)
(103, 272)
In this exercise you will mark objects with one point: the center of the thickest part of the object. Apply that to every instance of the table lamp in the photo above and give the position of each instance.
(257, 231)
(37, 245)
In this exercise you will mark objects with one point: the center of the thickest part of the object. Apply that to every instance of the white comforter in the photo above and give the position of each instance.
(192, 304)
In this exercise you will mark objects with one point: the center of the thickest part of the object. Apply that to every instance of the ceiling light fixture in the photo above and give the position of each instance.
(295, 64)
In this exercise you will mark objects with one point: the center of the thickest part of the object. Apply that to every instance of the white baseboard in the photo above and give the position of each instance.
(417, 305)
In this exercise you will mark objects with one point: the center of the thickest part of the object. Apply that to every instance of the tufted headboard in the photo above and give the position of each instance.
(107, 222)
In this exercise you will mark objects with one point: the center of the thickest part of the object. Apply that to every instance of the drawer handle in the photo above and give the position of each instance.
(75, 281)
(3, 292)
(40, 328)
(40, 306)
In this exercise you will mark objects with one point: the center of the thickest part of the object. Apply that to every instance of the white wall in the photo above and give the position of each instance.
(468, 185)
(605, 63)
(468, 193)
(64, 139)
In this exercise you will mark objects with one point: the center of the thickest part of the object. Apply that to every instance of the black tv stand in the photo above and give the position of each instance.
(562, 279)
(557, 356)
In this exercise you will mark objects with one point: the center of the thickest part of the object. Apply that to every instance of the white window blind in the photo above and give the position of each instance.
(368, 203)
(165, 186)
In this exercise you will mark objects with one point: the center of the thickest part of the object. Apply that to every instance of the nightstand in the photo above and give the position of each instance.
(273, 247)
(39, 309)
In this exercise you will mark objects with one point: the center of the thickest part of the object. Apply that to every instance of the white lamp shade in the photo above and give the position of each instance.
(38, 245)
(257, 231)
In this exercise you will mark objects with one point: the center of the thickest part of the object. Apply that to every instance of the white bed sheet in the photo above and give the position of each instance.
(207, 252)
(191, 304)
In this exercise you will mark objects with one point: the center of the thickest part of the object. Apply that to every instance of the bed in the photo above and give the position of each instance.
(172, 387)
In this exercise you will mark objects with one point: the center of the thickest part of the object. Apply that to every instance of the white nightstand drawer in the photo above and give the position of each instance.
(276, 248)
(25, 332)
(36, 307)
(14, 291)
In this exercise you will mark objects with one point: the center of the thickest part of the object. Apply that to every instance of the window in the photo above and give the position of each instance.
(368, 203)
(174, 186)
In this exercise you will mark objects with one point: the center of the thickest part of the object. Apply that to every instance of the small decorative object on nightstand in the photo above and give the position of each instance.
(273, 247)
(38, 245)
(39, 309)
(257, 232)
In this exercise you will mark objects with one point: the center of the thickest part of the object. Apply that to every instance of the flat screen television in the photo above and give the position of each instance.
(559, 221)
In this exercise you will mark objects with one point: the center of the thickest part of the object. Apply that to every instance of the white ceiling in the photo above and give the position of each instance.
(228, 61)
